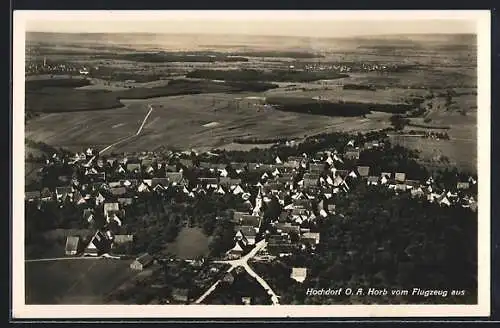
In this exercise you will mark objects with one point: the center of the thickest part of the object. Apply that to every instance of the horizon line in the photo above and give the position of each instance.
(260, 35)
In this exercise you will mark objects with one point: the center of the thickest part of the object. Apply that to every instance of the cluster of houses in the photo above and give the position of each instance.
(49, 68)
(363, 67)
(305, 187)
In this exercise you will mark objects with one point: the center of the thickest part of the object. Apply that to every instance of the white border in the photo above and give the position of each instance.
(21, 310)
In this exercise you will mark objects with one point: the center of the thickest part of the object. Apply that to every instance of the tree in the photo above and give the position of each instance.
(399, 122)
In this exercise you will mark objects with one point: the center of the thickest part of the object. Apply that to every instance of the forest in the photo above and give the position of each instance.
(382, 240)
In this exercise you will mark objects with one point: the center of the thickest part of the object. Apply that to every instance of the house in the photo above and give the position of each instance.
(133, 167)
(310, 180)
(63, 192)
(237, 190)
(112, 218)
(208, 181)
(180, 295)
(352, 154)
(227, 182)
(293, 162)
(238, 248)
(299, 274)
(443, 200)
(239, 237)
(159, 181)
(412, 184)
(88, 215)
(123, 239)
(363, 171)
(99, 244)
(400, 177)
(385, 177)
(143, 187)
(184, 162)
(120, 191)
(72, 244)
(284, 216)
(246, 300)
(281, 249)
(248, 232)
(400, 187)
(304, 203)
(316, 168)
(237, 216)
(146, 162)
(250, 220)
(175, 178)
(125, 201)
(287, 228)
(417, 192)
(372, 180)
(129, 183)
(46, 195)
(31, 196)
(142, 262)
(114, 184)
(111, 207)
(311, 237)
(463, 185)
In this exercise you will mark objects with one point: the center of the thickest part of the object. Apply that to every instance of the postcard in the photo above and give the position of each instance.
(251, 164)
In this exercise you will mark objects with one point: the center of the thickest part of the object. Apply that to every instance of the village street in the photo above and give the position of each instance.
(243, 262)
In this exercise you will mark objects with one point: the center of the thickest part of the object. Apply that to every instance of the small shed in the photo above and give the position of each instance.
(142, 262)
(72, 243)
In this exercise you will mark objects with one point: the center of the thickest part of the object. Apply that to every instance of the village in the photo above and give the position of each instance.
(271, 208)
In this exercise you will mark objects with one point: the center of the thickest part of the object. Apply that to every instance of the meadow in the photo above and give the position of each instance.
(81, 281)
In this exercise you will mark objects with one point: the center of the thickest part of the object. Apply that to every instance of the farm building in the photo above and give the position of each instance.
(72, 243)
(142, 262)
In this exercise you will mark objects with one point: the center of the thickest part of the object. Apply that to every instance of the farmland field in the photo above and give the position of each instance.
(179, 121)
(429, 67)
(83, 281)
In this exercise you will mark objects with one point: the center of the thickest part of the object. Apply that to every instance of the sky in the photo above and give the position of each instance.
(294, 23)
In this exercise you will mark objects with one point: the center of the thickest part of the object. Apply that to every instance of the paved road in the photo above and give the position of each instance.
(243, 262)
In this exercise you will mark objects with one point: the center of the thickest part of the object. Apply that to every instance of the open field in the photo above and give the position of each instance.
(419, 67)
(190, 244)
(179, 122)
(59, 95)
(82, 281)
(260, 75)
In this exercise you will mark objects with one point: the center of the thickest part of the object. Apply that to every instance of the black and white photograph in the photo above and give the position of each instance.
(251, 164)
